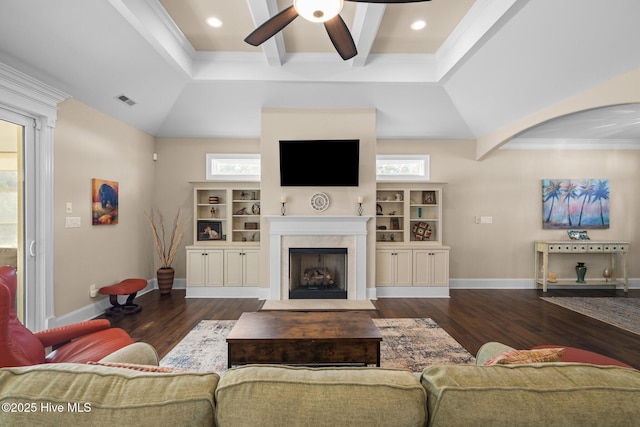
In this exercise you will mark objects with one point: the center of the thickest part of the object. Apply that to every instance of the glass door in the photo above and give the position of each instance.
(16, 137)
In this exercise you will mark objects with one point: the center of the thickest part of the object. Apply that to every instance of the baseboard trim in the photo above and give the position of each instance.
(92, 310)
(524, 284)
(491, 284)
(225, 292)
(412, 292)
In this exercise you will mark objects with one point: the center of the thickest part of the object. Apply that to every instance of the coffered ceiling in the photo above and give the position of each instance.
(478, 65)
(392, 25)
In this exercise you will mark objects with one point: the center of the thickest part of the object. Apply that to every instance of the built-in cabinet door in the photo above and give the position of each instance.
(242, 267)
(233, 267)
(204, 267)
(430, 268)
(384, 268)
(393, 267)
(403, 267)
(422, 268)
(214, 268)
(195, 271)
(251, 267)
(440, 275)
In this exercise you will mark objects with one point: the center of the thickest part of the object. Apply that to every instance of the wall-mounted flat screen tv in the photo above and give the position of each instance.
(321, 163)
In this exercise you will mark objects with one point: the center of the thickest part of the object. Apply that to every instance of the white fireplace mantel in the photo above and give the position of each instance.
(312, 230)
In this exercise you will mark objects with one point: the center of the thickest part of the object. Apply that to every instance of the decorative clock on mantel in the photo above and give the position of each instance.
(320, 202)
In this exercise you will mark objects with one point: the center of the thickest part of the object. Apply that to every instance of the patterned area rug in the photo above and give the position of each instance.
(621, 312)
(411, 344)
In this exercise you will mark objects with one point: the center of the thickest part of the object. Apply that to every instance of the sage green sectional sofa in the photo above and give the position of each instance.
(549, 394)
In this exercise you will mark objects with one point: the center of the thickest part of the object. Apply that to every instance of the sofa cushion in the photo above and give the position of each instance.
(549, 394)
(140, 353)
(519, 357)
(79, 394)
(269, 395)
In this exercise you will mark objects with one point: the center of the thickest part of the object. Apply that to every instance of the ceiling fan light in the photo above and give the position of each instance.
(318, 10)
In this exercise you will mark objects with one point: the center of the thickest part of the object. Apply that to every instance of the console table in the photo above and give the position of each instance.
(615, 248)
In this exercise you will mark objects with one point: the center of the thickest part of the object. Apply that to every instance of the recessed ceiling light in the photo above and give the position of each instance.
(418, 25)
(214, 22)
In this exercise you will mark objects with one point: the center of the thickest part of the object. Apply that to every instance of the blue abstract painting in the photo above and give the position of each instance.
(575, 203)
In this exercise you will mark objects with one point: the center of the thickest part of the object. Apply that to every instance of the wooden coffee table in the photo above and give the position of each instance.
(304, 338)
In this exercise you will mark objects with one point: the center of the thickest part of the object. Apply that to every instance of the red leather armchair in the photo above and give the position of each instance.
(77, 343)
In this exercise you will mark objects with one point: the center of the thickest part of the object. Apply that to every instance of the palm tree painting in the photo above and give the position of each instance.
(569, 203)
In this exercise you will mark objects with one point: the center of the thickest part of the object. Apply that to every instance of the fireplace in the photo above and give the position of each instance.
(318, 231)
(318, 273)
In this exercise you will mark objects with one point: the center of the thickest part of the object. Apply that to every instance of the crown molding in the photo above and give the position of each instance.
(28, 94)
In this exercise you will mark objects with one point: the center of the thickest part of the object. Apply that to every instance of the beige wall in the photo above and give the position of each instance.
(89, 144)
(181, 161)
(285, 124)
(507, 186)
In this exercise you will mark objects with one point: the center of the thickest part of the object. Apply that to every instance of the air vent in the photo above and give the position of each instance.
(124, 98)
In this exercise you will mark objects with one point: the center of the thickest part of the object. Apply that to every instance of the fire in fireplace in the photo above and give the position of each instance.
(317, 273)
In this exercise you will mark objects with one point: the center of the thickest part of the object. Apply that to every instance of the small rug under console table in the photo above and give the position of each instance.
(615, 248)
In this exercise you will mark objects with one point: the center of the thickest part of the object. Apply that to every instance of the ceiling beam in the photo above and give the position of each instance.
(153, 23)
(365, 28)
(261, 11)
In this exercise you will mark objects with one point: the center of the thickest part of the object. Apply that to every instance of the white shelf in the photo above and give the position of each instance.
(232, 197)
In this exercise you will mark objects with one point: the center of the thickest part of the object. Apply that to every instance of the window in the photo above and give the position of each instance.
(233, 167)
(402, 167)
(9, 209)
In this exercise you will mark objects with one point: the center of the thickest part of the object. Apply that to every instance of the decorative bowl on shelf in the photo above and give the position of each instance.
(421, 231)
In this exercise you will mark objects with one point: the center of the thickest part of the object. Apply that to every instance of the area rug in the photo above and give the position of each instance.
(411, 344)
(621, 312)
(317, 305)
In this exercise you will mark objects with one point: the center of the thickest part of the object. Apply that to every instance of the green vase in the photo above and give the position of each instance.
(581, 270)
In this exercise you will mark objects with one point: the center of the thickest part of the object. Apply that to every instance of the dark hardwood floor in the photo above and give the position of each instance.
(518, 318)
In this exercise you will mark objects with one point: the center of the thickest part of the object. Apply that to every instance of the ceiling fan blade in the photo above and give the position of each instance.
(271, 27)
(388, 1)
(341, 37)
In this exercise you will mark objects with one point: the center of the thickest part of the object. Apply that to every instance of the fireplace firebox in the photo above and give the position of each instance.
(318, 273)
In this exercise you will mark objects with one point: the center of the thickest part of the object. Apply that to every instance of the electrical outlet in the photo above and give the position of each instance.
(93, 291)
(72, 222)
(483, 219)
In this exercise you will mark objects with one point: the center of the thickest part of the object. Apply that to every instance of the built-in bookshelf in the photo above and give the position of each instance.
(409, 213)
(226, 213)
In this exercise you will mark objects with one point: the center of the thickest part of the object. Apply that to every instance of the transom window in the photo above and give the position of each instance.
(402, 167)
(233, 167)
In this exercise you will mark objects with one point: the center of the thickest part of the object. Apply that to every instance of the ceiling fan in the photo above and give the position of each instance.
(324, 11)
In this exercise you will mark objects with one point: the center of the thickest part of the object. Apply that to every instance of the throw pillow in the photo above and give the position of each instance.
(521, 357)
(141, 368)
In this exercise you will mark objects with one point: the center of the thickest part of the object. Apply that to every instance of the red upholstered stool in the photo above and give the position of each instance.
(126, 287)
(578, 355)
